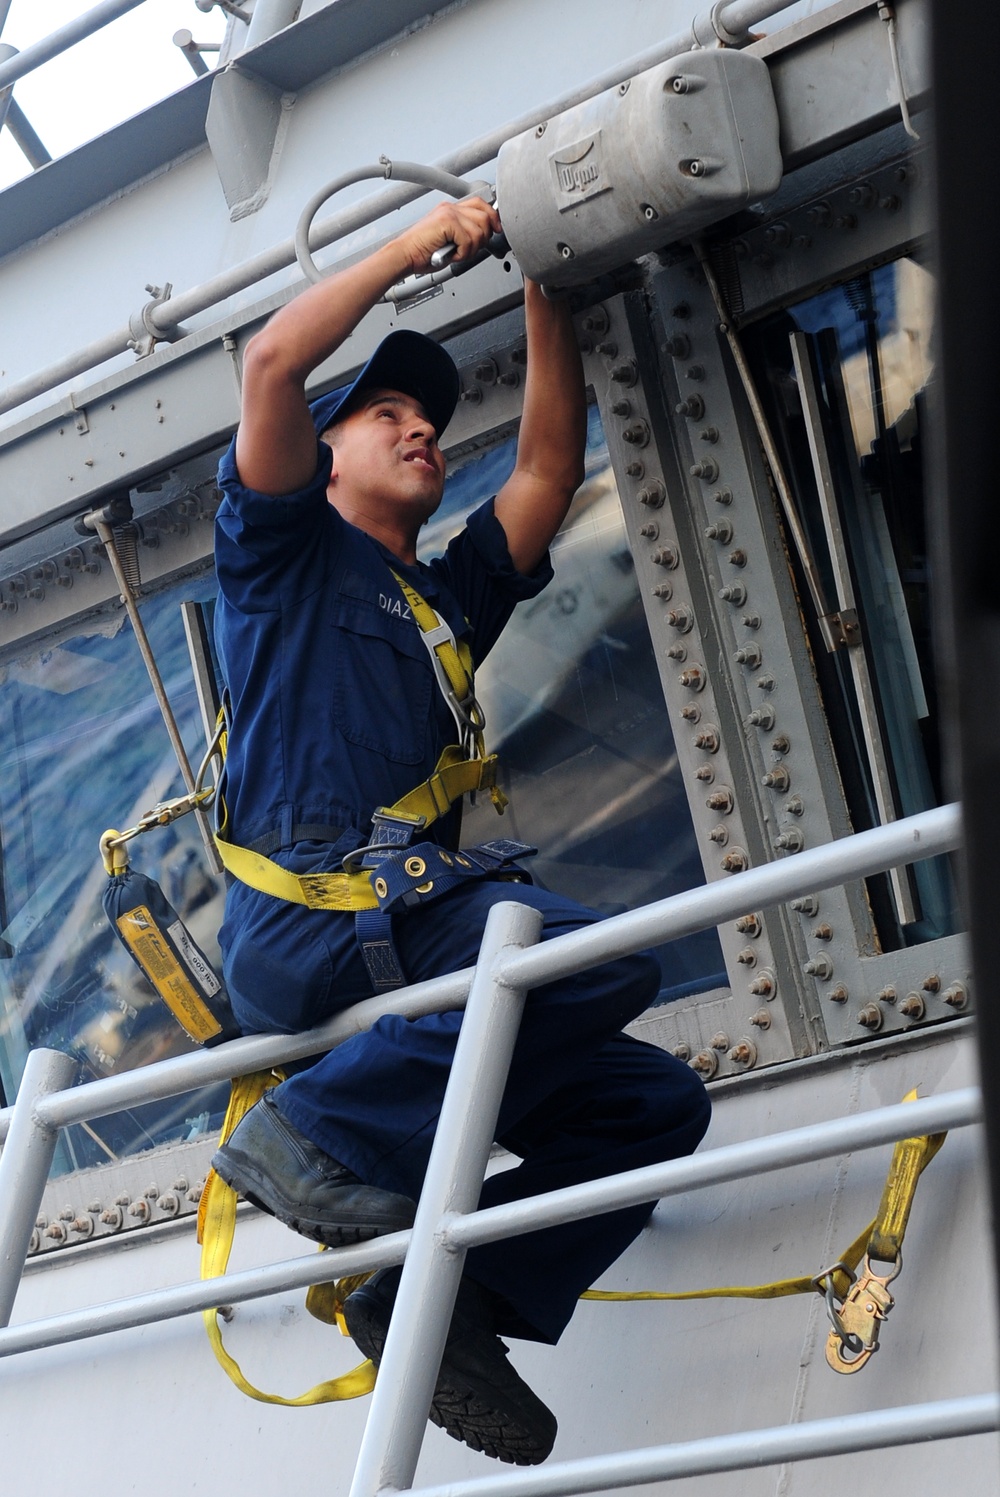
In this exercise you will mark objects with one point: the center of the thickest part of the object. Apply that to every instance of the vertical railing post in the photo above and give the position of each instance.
(24, 1166)
(402, 1398)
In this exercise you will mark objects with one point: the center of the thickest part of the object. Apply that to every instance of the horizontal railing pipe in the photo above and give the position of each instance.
(205, 1294)
(593, 1197)
(757, 1156)
(743, 1451)
(171, 1077)
(167, 315)
(916, 837)
(65, 37)
(906, 841)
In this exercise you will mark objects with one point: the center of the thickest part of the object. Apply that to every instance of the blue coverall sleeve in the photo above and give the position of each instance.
(271, 551)
(478, 569)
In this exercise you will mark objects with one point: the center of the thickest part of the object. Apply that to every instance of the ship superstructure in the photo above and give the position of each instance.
(734, 668)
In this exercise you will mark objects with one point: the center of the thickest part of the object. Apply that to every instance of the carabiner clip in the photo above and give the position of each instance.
(854, 1339)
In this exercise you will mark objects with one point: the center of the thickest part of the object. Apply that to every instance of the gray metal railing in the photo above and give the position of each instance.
(15, 64)
(447, 1223)
(62, 39)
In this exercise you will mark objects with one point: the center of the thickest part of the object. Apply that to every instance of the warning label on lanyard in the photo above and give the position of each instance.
(207, 980)
(157, 959)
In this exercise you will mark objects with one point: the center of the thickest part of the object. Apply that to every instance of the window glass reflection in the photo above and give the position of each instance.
(82, 747)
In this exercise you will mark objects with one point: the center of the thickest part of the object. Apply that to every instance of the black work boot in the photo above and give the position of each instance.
(276, 1167)
(479, 1397)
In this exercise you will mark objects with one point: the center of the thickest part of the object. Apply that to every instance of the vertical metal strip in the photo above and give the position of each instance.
(106, 533)
(863, 685)
(205, 685)
(828, 623)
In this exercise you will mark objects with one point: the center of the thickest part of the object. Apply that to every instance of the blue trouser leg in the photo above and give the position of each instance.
(631, 1105)
(581, 1100)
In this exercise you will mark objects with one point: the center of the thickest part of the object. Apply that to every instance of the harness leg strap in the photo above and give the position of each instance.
(373, 932)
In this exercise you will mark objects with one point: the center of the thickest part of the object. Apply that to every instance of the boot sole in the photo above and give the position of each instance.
(465, 1406)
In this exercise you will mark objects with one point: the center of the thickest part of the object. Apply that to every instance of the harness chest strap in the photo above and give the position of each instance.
(451, 660)
(459, 770)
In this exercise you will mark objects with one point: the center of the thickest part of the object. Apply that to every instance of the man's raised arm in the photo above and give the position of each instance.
(276, 442)
(549, 469)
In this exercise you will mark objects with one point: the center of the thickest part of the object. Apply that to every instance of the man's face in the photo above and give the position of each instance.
(386, 457)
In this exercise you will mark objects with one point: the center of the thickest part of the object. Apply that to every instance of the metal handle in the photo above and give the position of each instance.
(430, 177)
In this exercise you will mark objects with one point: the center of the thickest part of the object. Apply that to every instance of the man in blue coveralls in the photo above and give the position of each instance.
(336, 711)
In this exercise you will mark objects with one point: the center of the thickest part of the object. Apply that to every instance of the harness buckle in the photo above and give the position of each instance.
(391, 830)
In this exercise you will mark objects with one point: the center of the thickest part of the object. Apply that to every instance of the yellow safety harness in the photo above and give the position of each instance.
(462, 767)
(853, 1339)
(864, 1298)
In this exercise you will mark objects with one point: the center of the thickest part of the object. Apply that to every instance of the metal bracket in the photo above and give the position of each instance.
(117, 511)
(146, 333)
(710, 30)
(843, 629)
(80, 420)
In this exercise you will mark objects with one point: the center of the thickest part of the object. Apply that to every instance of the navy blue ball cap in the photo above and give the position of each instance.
(404, 361)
